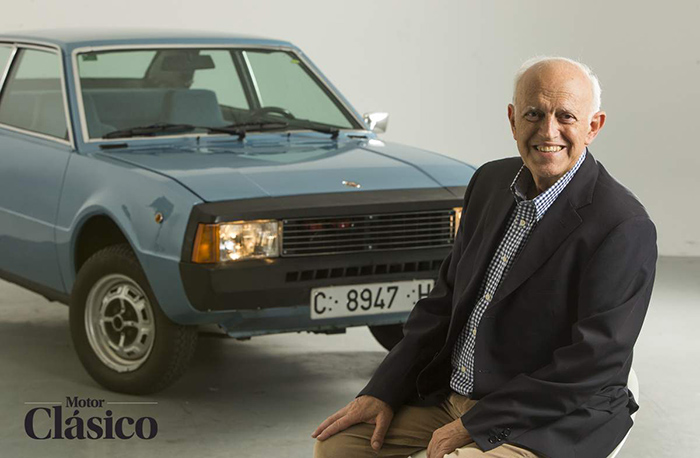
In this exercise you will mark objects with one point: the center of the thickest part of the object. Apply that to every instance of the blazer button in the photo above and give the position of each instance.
(492, 440)
(506, 432)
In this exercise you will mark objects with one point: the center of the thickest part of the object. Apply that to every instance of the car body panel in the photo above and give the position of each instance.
(29, 197)
(130, 196)
(299, 164)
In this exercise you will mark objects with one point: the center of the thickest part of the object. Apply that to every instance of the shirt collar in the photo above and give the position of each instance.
(523, 182)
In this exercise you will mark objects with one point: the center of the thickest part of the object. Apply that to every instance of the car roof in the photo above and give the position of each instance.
(69, 39)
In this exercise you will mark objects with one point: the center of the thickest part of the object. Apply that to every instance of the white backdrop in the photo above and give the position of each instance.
(443, 70)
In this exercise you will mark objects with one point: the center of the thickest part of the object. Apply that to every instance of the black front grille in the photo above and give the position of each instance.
(362, 233)
(358, 271)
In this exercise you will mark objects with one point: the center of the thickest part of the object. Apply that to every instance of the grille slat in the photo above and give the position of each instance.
(350, 233)
(345, 249)
(370, 223)
(383, 244)
(362, 217)
(313, 236)
(398, 238)
(386, 227)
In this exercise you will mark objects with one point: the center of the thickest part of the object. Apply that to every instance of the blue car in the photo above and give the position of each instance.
(161, 183)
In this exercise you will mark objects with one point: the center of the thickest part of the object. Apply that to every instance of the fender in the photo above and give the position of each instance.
(97, 184)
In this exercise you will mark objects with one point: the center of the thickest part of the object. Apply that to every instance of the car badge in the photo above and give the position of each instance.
(351, 184)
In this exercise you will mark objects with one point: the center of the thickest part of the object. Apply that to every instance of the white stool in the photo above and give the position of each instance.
(632, 385)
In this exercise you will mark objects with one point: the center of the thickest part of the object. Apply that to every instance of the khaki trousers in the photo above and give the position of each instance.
(410, 432)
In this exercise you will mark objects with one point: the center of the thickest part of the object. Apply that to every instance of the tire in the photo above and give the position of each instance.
(387, 335)
(121, 335)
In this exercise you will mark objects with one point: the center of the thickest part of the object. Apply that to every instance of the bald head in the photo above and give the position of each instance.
(554, 116)
(557, 70)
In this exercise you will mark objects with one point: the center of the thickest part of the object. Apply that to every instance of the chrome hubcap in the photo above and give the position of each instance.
(119, 323)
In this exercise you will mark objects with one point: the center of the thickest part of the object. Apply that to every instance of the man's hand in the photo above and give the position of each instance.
(448, 438)
(365, 409)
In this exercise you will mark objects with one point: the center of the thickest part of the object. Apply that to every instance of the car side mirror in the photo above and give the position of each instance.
(377, 122)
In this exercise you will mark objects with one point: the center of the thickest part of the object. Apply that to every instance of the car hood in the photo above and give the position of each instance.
(239, 170)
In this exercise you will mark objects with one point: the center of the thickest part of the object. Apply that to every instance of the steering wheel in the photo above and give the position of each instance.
(267, 110)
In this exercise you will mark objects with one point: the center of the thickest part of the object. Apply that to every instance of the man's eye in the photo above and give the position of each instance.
(567, 117)
(531, 115)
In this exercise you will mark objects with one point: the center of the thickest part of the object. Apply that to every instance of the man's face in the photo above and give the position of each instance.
(552, 120)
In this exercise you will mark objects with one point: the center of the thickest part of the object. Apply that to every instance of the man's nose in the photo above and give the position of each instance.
(549, 128)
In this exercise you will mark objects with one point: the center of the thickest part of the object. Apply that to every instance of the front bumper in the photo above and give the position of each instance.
(287, 282)
(262, 296)
(249, 323)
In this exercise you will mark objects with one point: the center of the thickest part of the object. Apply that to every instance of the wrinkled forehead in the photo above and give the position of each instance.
(558, 85)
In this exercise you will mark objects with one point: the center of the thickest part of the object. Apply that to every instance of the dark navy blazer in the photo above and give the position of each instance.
(554, 348)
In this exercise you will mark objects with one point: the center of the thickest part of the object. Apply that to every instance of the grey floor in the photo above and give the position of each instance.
(266, 395)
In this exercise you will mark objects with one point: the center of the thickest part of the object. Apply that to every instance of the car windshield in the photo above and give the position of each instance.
(127, 91)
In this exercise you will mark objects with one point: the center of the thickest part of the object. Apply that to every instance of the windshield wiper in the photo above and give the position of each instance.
(311, 125)
(239, 129)
(256, 125)
(150, 130)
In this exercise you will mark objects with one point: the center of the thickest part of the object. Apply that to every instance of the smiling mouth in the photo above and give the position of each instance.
(549, 149)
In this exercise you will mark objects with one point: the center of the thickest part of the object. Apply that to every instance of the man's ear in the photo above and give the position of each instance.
(597, 123)
(511, 118)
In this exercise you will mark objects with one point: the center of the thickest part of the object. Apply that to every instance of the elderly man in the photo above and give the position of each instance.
(524, 346)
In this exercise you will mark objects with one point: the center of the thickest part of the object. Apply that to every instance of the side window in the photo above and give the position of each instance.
(32, 98)
(222, 79)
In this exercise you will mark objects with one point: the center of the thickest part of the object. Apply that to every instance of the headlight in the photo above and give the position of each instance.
(457, 219)
(236, 241)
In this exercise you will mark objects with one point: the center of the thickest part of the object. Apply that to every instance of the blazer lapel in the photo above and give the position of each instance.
(549, 234)
(479, 253)
(560, 220)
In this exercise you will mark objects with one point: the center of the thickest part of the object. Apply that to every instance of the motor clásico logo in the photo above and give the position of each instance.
(85, 418)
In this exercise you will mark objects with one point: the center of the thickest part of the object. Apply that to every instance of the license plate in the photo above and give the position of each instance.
(367, 299)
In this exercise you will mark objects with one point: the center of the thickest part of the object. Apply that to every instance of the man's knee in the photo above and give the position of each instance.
(341, 445)
(503, 451)
(327, 448)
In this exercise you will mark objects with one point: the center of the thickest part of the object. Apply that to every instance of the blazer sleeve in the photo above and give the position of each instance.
(613, 298)
(425, 331)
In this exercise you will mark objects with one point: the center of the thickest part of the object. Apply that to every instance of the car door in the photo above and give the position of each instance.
(34, 151)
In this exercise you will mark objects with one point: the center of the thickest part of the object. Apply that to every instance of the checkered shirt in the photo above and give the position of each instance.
(522, 221)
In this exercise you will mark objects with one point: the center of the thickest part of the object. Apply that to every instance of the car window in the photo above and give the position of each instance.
(282, 81)
(202, 87)
(222, 79)
(32, 98)
(115, 64)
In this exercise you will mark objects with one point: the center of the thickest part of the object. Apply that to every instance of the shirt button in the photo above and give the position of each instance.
(463, 369)
(474, 331)
(523, 223)
(504, 259)
(487, 296)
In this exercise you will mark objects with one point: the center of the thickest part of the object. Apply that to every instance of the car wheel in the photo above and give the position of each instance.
(122, 337)
(387, 335)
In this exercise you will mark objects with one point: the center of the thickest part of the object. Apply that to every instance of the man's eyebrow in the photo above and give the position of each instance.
(565, 109)
(570, 110)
